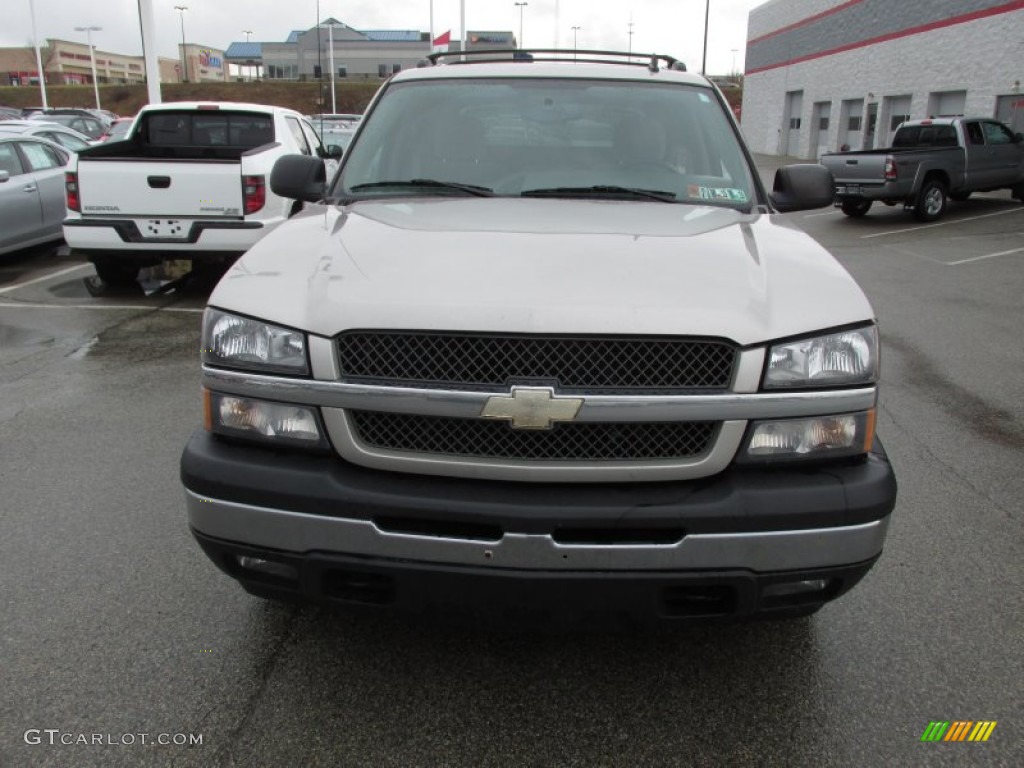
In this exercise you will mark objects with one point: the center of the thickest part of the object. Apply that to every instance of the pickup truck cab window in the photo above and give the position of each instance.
(311, 138)
(975, 135)
(208, 128)
(300, 137)
(997, 133)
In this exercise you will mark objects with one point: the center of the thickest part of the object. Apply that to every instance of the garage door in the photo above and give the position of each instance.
(947, 103)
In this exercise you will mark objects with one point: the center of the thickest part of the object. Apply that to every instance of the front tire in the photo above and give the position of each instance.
(931, 201)
(855, 208)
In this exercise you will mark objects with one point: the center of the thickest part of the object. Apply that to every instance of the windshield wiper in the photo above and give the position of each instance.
(471, 189)
(601, 190)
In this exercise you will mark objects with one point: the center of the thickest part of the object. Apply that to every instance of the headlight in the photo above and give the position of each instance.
(280, 423)
(240, 342)
(836, 360)
(817, 437)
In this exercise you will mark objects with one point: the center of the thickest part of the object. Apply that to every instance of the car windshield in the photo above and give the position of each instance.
(571, 138)
(340, 134)
(119, 130)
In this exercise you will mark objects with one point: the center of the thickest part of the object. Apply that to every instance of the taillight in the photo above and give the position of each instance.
(254, 192)
(71, 191)
(890, 169)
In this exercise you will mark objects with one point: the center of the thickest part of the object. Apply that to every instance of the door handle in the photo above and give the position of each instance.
(159, 182)
(29, 188)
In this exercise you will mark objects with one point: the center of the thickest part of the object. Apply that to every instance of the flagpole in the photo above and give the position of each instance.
(462, 6)
(431, 26)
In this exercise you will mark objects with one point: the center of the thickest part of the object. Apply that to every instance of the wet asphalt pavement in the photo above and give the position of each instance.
(114, 624)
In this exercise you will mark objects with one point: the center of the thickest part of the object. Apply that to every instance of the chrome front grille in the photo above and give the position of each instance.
(596, 364)
(570, 441)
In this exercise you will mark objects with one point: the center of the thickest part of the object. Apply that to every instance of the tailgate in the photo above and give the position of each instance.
(856, 169)
(183, 188)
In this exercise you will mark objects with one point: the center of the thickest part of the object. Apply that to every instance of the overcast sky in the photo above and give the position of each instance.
(674, 27)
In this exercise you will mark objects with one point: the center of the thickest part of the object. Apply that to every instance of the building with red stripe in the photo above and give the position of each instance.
(824, 74)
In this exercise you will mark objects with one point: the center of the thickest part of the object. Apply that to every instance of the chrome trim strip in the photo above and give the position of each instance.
(761, 551)
(323, 359)
(463, 404)
(749, 365)
(722, 450)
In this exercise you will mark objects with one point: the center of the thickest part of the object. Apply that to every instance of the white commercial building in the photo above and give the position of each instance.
(822, 75)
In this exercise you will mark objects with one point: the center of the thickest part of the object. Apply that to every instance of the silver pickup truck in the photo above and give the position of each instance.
(543, 346)
(929, 162)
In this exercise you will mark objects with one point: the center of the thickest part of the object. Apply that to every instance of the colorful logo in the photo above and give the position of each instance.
(958, 730)
(209, 59)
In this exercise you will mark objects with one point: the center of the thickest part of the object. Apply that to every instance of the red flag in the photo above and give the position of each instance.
(444, 39)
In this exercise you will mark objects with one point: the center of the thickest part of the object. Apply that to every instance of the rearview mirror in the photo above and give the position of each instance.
(802, 187)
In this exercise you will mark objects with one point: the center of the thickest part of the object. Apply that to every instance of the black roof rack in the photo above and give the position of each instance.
(527, 55)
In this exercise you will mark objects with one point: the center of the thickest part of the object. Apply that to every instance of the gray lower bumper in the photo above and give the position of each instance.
(763, 551)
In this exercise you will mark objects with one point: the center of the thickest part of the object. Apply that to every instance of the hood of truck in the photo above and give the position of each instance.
(543, 266)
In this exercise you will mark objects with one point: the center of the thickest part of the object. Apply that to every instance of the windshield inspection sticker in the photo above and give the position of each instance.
(717, 193)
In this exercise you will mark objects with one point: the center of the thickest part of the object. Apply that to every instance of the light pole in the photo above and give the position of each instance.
(248, 37)
(630, 25)
(574, 31)
(39, 57)
(704, 60)
(92, 58)
(734, 50)
(330, 43)
(184, 53)
(521, 7)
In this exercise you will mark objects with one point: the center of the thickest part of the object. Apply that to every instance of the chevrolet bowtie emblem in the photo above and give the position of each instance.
(532, 407)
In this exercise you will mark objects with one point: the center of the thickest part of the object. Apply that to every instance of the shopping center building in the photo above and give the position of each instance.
(357, 54)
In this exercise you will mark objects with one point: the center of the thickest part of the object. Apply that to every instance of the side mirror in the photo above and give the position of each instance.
(802, 187)
(299, 177)
(1018, 138)
(334, 151)
(5, 176)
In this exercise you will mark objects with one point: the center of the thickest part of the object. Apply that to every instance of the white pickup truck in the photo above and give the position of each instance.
(188, 182)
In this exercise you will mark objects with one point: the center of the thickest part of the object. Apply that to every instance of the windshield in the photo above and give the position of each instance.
(340, 134)
(656, 142)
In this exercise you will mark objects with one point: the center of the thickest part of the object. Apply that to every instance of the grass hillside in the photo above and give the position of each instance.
(126, 99)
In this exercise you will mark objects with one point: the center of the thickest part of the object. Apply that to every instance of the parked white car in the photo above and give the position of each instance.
(188, 182)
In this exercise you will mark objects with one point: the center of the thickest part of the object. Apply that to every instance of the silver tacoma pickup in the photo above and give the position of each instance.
(542, 345)
(929, 162)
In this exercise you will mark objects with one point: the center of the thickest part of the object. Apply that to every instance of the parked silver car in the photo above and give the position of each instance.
(66, 137)
(92, 127)
(31, 191)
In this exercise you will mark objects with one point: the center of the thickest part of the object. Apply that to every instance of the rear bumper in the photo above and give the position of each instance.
(334, 532)
(99, 236)
(856, 191)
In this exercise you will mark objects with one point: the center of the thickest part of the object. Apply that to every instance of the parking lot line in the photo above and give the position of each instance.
(43, 278)
(941, 223)
(986, 256)
(111, 307)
